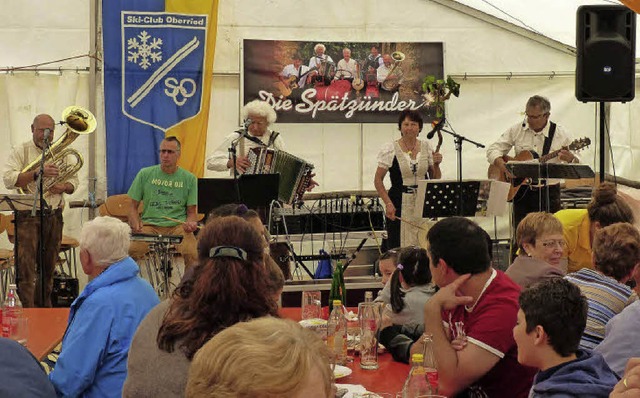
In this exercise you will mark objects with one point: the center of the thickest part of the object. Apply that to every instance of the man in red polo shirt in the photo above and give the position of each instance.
(476, 304)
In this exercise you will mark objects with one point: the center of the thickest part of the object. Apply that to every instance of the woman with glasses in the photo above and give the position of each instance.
(229, 285)
(541, 246)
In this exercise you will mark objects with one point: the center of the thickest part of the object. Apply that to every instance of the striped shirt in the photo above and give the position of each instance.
(606, 298)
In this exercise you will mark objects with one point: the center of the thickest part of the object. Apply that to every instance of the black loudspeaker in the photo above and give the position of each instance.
(606, 46)
(65, 290)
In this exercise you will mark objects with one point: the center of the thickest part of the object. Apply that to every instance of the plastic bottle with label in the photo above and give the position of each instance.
(337, 333)
(416, 384)
(13, 323)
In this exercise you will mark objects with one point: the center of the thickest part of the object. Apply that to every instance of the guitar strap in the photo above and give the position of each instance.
(547, 140)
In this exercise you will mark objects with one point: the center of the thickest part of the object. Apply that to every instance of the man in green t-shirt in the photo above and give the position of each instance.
(169, 192)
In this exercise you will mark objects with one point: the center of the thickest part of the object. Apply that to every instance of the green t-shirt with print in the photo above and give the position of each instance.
(164, 195)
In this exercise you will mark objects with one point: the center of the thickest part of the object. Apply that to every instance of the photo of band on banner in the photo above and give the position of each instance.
(340, 82)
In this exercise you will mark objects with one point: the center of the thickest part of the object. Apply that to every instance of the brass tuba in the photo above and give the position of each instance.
(392, 81)
(79, 121)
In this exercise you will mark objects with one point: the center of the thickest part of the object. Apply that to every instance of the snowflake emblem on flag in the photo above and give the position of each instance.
(144, 49)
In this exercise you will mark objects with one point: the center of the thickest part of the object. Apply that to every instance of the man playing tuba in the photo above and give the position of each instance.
(27, 226)
(389, 74)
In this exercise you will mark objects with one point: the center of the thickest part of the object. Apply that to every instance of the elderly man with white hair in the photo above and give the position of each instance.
(260, 116)
(104, 318)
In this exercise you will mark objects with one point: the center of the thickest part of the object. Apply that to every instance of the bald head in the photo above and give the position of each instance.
(38, 127)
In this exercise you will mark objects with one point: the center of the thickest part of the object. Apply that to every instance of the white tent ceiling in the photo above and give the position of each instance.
(552, 18)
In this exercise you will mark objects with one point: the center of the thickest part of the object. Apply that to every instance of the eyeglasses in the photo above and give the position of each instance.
(536, 117)
(169, 151)
(554, 243)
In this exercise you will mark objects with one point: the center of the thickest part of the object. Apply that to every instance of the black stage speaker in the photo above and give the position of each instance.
(606, 46)
(65, 290)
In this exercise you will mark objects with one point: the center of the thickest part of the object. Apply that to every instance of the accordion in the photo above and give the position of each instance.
(295, 173)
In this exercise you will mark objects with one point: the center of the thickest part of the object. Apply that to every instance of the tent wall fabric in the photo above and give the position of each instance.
(504, 67)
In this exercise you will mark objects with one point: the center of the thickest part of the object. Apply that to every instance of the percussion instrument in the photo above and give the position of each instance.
(295, 173)
(152, 238)
(159, 260)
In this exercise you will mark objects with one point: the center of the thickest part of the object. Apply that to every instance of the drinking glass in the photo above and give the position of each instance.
(311, 304)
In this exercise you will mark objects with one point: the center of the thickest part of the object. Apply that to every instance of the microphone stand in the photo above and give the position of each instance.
(39, 197)
(458, 140)
(234, 159)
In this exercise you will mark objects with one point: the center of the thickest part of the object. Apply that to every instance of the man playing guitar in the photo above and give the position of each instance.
(535, 134)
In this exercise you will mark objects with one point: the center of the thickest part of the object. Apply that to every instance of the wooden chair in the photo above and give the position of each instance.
(118, 206)
(7, 271)
(67, 255)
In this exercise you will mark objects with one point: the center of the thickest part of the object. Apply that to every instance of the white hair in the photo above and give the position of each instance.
(319, 45)
(107, 239)
(259, 108)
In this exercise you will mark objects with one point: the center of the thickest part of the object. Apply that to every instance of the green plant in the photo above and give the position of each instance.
(437, 91)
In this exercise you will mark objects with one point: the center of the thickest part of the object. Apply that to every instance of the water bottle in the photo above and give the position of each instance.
(337, 333)
(430, 366)
(369, 320)
(416, 384)
(12, 317)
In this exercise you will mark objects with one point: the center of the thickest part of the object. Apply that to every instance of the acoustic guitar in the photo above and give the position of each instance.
(495, 173)
(286, 85)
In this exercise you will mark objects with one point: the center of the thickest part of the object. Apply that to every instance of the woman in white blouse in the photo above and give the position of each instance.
(407, 160)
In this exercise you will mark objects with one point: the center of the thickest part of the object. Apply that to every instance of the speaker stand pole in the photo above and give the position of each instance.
(603, 117)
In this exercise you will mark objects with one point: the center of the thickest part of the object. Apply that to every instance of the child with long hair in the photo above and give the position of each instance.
(410, 287)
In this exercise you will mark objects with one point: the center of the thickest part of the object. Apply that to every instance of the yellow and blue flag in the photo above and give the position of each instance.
(158, 66)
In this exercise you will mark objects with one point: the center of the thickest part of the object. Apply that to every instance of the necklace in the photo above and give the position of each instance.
(410, 151)
(486, 285)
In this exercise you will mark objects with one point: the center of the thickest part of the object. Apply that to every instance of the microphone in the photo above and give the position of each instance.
(247, 123)
(47, 134)
(436, 128)
(524, 121)
(243, 131)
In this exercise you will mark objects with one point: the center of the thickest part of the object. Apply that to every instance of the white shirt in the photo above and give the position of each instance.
(347, 69)
(218, 160)
(25, 153)
(291, 70)
(388, 152)
(316, 60)
(383, 72)
(525, 139)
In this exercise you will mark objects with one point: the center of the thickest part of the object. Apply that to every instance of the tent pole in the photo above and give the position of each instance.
(93, 45)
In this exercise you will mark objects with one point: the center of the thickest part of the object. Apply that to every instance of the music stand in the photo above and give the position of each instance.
(441, 198)
(567, 171)
(15, 203)
(256, 191)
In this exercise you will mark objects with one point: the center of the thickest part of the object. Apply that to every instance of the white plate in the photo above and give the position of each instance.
(341, 371)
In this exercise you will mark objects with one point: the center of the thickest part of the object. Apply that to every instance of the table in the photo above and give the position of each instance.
(389, 377)
(46, 329)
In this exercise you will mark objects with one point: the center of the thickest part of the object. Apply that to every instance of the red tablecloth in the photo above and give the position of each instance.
(389, 377)
(46, 329)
